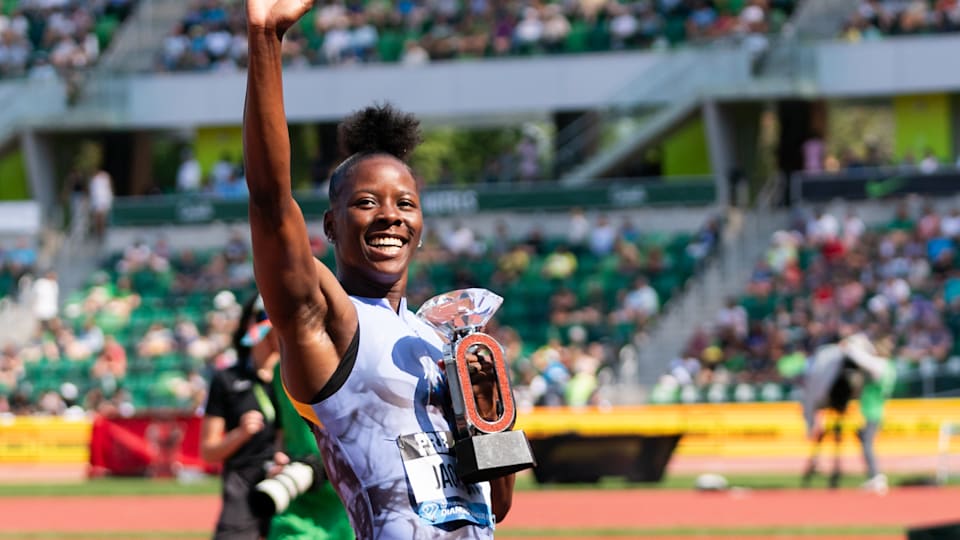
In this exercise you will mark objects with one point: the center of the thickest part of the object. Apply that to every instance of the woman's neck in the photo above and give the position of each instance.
(394, 293)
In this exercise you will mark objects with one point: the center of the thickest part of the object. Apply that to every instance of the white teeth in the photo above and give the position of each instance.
(386, 242)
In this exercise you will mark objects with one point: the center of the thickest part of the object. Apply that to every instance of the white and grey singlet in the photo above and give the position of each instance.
(386, 436)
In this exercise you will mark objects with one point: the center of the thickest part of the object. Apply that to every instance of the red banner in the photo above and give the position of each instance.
(158, 445)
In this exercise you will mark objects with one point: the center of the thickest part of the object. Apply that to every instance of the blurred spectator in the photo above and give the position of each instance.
(11, 368)
(227, 179)
(76, 187)
(732, 319)
(603, 237)
(91, 338)
(460, 241)
(51, 403)
(500, 242)
(111, 362)
(578, 230)
(529, 157)
(813, 155)
(902, 221)
(582, 385)
(189, 175)
(560, 264)
(929, 164)
(414, 54)
(639, 304)
(224, 170)
(158, 341)
(929, 225)
(853, 229)
(950, 225)
(822, 227)
(46, 298)
(23, 254)
(101, 201)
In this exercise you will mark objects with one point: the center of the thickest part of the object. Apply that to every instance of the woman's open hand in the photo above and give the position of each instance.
(277, 15)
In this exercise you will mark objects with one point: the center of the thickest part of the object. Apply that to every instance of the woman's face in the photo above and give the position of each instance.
(377, 222)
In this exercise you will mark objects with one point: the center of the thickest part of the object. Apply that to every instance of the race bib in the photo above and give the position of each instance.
(440, 496)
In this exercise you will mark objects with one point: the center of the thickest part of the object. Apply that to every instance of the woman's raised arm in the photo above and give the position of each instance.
(307, 306)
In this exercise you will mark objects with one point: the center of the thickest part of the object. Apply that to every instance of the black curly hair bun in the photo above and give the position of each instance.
(379, 129)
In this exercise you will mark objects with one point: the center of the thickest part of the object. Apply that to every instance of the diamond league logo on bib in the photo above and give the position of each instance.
(485, 449)
(430, 511)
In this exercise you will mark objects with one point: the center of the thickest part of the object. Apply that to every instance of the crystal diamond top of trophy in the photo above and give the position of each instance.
(485, 449)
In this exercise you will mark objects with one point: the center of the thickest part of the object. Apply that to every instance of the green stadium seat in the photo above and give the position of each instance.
(744, 393)
(718, 393)
(771, 392)
(663, 394)
(690, 394)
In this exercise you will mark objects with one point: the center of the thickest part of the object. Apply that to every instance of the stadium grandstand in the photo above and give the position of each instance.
(211, 35)
(680, 201)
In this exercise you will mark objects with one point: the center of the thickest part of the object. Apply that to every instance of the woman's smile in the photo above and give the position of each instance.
(387, 245)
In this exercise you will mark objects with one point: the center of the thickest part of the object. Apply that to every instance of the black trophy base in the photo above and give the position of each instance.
(493, 455)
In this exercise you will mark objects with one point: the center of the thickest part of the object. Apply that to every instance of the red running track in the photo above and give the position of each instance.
(663, 508)
(536, 510)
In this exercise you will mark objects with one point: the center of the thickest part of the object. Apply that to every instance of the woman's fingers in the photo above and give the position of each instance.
(276, 14)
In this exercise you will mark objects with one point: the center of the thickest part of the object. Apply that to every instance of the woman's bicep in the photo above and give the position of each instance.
(283, 262)
(316, 341)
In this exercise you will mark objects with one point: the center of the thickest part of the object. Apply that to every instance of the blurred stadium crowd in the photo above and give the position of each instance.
(43, 38)
(828, 277)
(212, 35)
(153, 323)
(877, 18)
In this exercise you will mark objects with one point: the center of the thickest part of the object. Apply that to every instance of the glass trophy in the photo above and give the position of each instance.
(485, 448)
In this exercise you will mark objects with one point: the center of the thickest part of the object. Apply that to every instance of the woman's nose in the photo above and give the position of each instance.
(389, 213)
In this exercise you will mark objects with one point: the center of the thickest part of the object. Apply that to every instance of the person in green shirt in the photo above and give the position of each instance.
(901, 220)
(857, 367)
(318, 513)
(878, 385)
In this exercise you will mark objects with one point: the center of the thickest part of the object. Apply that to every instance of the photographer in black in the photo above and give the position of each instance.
(241, 425)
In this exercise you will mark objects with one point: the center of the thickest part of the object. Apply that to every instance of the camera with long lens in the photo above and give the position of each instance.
(274, 495)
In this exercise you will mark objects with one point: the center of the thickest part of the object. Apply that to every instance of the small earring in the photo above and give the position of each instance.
(330, 240)
(420, 245)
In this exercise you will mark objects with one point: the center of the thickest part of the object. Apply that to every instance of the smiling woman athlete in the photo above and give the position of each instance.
(359, 365)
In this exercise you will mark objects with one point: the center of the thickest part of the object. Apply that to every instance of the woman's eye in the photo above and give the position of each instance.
(366, 203)
(407, 204)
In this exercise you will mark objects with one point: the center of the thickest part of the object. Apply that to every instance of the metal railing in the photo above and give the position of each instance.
(654, 101)
(875, 182)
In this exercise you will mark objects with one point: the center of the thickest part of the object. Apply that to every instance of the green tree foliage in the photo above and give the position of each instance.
(461, 156)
